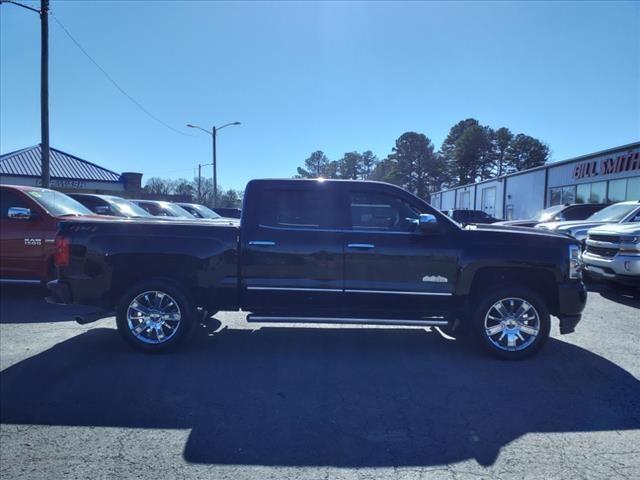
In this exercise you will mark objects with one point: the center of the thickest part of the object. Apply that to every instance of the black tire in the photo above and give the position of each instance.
(175, 335)
(484, 306)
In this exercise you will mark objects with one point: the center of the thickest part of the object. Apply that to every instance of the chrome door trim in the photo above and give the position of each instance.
(345, 320)
(297, 289)
(339, 290)
(399, 292)
(17, 281)
(262, 243)
(360, 245)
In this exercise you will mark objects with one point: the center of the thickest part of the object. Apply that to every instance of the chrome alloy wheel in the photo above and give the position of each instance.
(153, 317)
(512, 324)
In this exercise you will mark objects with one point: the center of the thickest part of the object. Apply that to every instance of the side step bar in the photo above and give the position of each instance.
(425, 322)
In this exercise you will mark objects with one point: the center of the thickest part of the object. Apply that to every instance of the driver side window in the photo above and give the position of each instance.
(9, 199)
(381, 212)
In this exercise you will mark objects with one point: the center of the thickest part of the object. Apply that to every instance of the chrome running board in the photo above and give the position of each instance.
(425, 322)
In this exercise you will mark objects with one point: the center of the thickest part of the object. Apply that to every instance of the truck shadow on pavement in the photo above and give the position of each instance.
(623, 295)
(26, 304)
(322, 397)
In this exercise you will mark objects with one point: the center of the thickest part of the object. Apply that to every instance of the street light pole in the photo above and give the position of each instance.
(214, 135)
(44, 84)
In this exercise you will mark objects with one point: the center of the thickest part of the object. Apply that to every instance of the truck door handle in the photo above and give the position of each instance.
(261, 243)
(364, 246)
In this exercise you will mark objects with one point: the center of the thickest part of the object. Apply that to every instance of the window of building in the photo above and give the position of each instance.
(569, 194)
(633, 188)
(556, 196)
(617, 190)
(598, 192)
(562, 195)
(583, 193)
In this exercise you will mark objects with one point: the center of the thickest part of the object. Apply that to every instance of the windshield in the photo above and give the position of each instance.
(202, 211)
(173, 210)
(127, 208)
(613, 213)
(57, 203)
(548, 213)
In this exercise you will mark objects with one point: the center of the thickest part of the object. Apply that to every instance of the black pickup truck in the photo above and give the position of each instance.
(325, 251)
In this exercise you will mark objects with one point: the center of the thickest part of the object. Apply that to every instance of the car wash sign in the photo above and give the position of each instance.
(628, 162)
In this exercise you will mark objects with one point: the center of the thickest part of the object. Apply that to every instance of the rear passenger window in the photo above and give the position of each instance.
(379, 212)
(296, 209)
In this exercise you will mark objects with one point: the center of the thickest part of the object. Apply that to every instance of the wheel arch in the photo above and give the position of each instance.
(540, 280)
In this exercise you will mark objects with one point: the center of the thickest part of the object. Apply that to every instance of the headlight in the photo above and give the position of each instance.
(575, 261)
(630, 245)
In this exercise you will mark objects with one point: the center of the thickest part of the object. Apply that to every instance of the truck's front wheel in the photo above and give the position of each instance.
(154, 316)
(511, 323)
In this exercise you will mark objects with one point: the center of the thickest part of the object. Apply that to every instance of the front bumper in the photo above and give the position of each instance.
(572, 298)
(621, 268)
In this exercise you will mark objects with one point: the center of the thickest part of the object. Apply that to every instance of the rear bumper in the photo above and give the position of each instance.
(572, 298)
(60, 293)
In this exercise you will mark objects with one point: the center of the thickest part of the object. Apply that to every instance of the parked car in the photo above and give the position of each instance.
(310, 251)
(159, 208)
(470, 216)
(110, 205)
(558, 213)
(228, 212)
(622, 212)
(29, 219)
(199, 211)
(613, 253)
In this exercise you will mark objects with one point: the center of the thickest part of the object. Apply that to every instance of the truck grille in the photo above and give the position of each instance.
(602, 251)
(604, 238)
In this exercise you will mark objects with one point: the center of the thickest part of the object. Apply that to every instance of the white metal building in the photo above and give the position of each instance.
(603, 177)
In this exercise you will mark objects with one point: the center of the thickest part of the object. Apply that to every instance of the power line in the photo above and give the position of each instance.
(115, 84)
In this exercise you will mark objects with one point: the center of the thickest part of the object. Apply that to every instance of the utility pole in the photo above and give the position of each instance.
(44, 91)
(199, 182)
(44, 83)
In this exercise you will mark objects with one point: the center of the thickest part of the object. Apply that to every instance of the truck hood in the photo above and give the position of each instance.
(514, 232)
(568, 226)
(618, 229)
(519, 223)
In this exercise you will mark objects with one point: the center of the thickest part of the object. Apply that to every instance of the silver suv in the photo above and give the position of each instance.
(621, 212)
(613, 253)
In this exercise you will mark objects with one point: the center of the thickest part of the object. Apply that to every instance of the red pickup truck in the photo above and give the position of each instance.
(29, 219)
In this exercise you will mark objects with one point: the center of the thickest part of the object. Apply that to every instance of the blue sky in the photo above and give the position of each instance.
(305, 76)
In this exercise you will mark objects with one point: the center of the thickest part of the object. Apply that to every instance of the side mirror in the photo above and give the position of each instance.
(19, 213)
(427, 223)
(102, 210)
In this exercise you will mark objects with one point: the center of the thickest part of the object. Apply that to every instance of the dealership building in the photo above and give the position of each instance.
(603, 177)
(68, 173)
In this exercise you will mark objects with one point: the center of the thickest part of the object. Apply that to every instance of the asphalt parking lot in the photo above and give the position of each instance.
(235, 402)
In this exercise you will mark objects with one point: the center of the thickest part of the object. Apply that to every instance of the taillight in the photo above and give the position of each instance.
(61, 255)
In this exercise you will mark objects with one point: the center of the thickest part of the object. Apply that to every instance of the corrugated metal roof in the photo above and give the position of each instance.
(27, 162)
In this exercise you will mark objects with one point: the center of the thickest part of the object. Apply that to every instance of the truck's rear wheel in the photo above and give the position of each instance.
(154, 316)
(511, 323)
